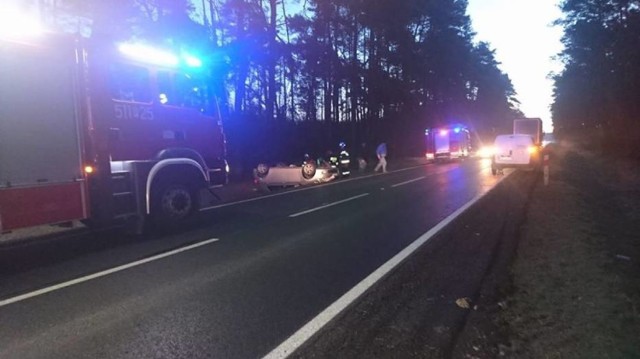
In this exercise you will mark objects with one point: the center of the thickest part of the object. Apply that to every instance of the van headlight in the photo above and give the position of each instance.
(486, 152)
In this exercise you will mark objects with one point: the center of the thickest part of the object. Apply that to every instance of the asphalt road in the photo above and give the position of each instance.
(257, 271)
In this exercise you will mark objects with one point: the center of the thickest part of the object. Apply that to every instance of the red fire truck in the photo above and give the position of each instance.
(103, 131)
(447, 142)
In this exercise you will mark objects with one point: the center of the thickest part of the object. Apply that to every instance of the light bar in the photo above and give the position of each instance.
(444, 132)
(17, 24)
(148, 54)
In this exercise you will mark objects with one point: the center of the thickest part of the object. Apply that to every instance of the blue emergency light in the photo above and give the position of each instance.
(192, 61)
(150, 55)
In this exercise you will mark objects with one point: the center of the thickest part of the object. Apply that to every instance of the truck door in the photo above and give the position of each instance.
(41, 179)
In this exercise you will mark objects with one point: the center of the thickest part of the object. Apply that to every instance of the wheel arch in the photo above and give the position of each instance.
(178, 167)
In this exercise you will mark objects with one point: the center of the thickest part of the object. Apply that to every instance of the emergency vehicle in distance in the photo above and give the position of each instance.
(102, 132)
(447, 142)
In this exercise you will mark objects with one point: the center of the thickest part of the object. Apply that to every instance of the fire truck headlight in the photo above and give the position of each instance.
(89, 169)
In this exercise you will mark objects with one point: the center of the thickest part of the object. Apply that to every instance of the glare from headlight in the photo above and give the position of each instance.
(486, 152)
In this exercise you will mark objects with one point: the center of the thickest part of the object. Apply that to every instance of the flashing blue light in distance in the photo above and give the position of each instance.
(456, 130)
(192, 61)
(148, 54)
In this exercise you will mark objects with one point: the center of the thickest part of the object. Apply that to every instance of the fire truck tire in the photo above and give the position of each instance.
(173, 203)
(308, 170)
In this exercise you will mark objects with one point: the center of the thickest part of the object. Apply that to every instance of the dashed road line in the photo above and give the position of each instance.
(407, 182)
(304, 189)
(328, 205)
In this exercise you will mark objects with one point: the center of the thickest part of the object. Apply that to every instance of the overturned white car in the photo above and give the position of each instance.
(283, 175)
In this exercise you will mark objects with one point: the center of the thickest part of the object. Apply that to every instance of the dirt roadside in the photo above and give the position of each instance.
(573, 288)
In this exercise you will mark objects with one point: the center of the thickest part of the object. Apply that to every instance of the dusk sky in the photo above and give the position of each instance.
(521, 31)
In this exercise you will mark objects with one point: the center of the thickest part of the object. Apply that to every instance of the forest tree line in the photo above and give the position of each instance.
(301, 75)
(598, 93)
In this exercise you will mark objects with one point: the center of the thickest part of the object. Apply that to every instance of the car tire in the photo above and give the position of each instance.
(262, 170)
(308, 170)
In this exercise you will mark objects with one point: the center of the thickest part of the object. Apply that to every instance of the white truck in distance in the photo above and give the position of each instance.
(529, 126)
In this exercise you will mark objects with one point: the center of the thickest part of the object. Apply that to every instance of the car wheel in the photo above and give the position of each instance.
(262, 170)
(308, 170)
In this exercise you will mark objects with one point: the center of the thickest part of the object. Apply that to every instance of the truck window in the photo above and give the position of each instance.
(166, 91)
(193, 92)
(184, 90)
(129, 83)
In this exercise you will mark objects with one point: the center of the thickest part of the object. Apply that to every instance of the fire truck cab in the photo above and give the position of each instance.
(101, 131)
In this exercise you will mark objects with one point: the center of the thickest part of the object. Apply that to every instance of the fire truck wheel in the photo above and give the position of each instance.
(308, 170)
(174, 203)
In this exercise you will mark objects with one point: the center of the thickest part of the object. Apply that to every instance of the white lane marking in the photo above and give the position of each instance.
(328, 205)
(102, 273)
(298, 338)
(407, 182)
(305, 189)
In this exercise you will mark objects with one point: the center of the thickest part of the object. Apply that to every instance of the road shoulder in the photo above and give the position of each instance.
(573, 287)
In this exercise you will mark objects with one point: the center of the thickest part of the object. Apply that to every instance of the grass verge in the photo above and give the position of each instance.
(575, 282)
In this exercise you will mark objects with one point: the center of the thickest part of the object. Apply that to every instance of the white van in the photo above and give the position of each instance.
(514, 151)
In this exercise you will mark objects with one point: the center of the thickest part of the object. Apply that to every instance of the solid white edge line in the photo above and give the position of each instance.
(102, 273)
(298, 338)
(327, 205)
(304, 189)
(407, 182)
